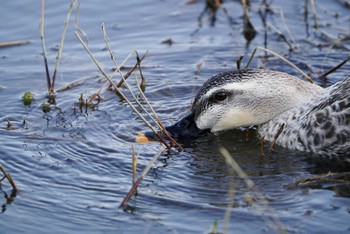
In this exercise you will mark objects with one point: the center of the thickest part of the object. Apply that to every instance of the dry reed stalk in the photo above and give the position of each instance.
(281, 58)
(9, 179)
(13, 43)
(283, 19)
(281, 35)
(138, 181)
(107, 83)
(155, 119)
(274, 221)
(239, 62)
(134, 164)
(76, 25)
(314, 14)
(60, 48)
(333, 69)
(42, 38)
(158, 122)
(126, 76)
(273, 143)
(327, 178)
(286, 26)
(106, 39)
(51, 84)
(161, 138)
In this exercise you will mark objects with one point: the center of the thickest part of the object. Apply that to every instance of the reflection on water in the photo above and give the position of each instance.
(73, 166)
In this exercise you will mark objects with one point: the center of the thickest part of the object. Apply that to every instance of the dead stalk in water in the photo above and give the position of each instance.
(333, 69)
(281, 58)
(13, 43)
(120, 93)
(138, 181)
(273, 143)
(314, 14)
(130, 71)
(140, 87)
(42, 38)
(158, 122)
(76, 25)
(272, 219)
(51, 83)
(60, 48)
(134, 164)
(281, 35)
(9, 179)
(337, 178)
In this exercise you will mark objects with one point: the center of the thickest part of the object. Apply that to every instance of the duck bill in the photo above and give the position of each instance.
(185, 129)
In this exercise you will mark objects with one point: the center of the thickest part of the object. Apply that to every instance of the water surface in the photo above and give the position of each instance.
(73, 168)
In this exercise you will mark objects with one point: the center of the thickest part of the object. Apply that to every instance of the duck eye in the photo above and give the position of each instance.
(220, 96)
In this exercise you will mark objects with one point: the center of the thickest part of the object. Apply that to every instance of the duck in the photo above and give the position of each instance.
(286, 110)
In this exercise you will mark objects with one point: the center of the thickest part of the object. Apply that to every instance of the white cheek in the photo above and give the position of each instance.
(208, 118)
(233, 119)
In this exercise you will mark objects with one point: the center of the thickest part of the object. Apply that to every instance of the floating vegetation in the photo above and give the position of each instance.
(45, 106)
(27, 98)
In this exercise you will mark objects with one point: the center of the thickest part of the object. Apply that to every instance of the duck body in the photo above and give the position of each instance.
(320, 125)
(288, 111)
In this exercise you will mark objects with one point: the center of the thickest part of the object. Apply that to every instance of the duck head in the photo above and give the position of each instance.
(241, 98)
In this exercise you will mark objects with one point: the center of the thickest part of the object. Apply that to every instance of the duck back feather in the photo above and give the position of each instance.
(320, 125)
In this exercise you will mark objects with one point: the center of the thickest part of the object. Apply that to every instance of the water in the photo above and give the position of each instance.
(74, 168)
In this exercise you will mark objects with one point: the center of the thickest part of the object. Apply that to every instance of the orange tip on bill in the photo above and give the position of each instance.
(141, 138)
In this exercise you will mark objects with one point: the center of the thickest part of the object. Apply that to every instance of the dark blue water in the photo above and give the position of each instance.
(73, 168)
